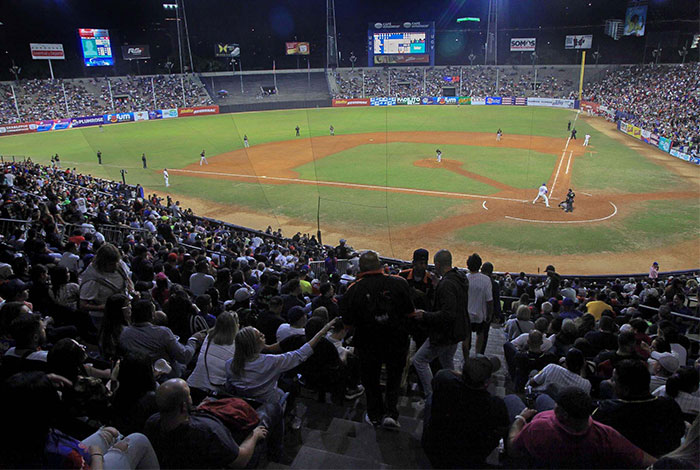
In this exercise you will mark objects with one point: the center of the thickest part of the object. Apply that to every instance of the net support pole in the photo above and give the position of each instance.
(14, 97)
(65, 98)
(423, 81)
(460, 80)
(111, 97)
(182, 84)
(363, 83)
(51, 69)
(580, 80)
(153, 89)
(240, 66)
(318, 221)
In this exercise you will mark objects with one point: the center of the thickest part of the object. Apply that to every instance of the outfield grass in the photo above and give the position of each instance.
(643, 228)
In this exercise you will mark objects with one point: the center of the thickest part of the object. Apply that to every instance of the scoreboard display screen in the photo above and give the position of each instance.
(97, 49)
(399, 43)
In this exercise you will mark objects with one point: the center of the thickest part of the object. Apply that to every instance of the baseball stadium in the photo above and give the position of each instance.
(294, 155)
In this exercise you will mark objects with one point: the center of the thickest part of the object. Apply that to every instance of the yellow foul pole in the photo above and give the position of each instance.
(580, 83)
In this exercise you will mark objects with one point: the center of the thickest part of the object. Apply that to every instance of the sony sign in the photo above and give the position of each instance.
(522, 44)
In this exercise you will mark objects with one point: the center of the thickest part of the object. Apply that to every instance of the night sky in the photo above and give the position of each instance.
(262, 27)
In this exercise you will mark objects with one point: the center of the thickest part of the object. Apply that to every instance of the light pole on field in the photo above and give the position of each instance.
(683, 52)
(471, 58)
(596, 56)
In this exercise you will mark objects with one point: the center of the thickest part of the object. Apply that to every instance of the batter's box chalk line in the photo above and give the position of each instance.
(535, 221)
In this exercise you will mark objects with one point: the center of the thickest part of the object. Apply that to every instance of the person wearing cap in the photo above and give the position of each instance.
(270, 320)
(555, 377)
(342, 251)
(655, 424)
(551, 288)
(662, 365)
(464, 422)
(378, 306)
(326, 299)
(654, 271)
(568, 309)
(422, 284)
(567, 437)
(480, 303)
(297, 320)
(448, 324)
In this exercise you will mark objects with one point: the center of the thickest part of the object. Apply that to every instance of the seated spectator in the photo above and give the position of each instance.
(604, 337)
(183, 318)
(567, 437)
(134, 399)
(541, 325)
(297, 320)
(255, 375)
(201, 280)
(564, 339)
(31, 403)
(608, 360)
(520, 324)
(29, 333)
(655, 424)
(269, 321)
(291, 295)
(117, 316)
(70, 259)
(686, 455)
(683, 387)
(209, 375)
(157, 342)
(554, 377)
(326, 299)
(598, 306)
(183, 438)
(62, 291)
(662, 366)
(568, 309)
(464, 422)
(534, 359)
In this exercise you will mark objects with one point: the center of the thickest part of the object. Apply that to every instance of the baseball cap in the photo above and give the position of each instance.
(550, 268)
(295, 313)
(13, 287)
(161, 276)
(478, 369)
(421, 254)
(567, 302)
(667, 360)
(172, 257)
(241, 295)
(575, 402)
(342, 240)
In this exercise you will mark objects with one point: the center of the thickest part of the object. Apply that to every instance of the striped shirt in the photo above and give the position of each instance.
(480, 292)
(689, 403)
(558, 375)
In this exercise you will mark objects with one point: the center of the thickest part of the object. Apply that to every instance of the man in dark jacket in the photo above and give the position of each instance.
(378, 307)
(448, 324)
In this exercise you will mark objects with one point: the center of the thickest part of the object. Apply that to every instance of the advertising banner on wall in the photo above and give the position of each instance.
(493, 100)
(635, 20)
(21, 128)
(580, 41)
(522, 44)
(665, 144)
(136, 52)
(43, 126)
(636, 132)
(408, 100)
(350, 102)
(227, 50)
(478, 101)
(85, 121)
(654, 140)
(382, 101)
(141, 116)
(118, 117)
(520, 102)
(401, 59)
(169, 113)
(551, 102)
(197, 111)
(298, 48)
(507, 100)
(47, 51)
(464, 100)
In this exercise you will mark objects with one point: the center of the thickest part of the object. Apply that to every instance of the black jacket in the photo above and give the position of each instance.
(449, 324)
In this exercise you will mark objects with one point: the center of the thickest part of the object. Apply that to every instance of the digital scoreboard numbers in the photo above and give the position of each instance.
(97, 48)
(399, 43)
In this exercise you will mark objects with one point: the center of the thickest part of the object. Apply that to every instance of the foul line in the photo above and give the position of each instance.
(554, 183)
(353, 185)
(568, 163)
(566, 221)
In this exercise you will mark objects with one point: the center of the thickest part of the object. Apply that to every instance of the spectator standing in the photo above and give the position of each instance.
(480, 302)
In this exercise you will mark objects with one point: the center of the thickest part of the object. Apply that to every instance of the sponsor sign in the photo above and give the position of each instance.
(551, 102)
(118, 117)
(227, 50)
(401, 59)
(493, 100)
(636, 132)
(22, 128)
(654, 140)
(408, 101)
(136, 52)
(298, 48)
(426, 100)
(635, 20)
(47, 51)
(646, 136)
(350, 102)
(61, 124)
(520, 102)
(478, 101)
(590, 105)
(197, 111)
(522, 44)
(141, 116)
(43, 126)
(87, 121)
(382, 101)
(169, 113)
(579, 41)
(681, 155)
(464, 100)
(665, 144)
(157, 114)
(507, 100)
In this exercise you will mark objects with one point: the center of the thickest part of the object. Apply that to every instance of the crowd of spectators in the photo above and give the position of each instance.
(476, 81)
(193, 339)
(57, 99)
(663, 99)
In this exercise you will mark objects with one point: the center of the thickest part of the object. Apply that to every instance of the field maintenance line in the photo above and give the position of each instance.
(352, 185)
(484, 205)
(568, 163)
(566, 147)
(614, 213)
(586, 194)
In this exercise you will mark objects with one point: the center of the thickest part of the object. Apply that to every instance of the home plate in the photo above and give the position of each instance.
(263, 176)
(371, 140)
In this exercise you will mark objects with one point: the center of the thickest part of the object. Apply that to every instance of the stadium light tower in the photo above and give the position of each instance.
(331, 36)
(491, 47)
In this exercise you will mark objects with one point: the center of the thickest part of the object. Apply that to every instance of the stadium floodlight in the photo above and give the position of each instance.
(170, 6)
(468, 18)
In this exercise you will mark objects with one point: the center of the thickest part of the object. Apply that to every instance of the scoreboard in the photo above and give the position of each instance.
(97, 49)
(396, 44)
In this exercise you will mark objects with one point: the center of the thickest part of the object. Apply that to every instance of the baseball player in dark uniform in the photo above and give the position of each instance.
(99, 157)
(573, 134)
(568, 204)
(297, 129)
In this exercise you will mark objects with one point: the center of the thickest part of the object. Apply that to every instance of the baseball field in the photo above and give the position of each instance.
(377, 183)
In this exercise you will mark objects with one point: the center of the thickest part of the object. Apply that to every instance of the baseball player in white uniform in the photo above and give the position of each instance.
(542, 193)
(585, 141)
(202, 159)
(166, 177)
(438, 155)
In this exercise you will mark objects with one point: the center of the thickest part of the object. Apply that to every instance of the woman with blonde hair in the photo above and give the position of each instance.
(209, 375)
(520, 324)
